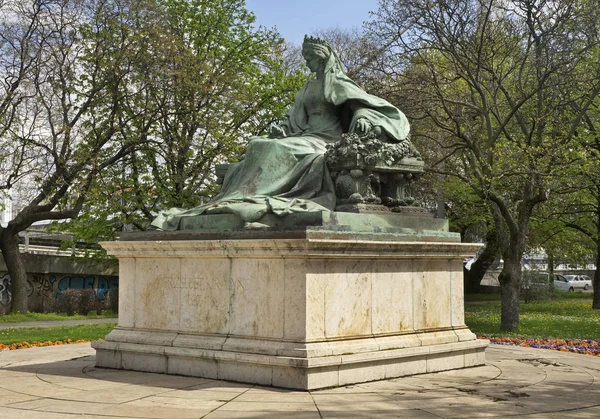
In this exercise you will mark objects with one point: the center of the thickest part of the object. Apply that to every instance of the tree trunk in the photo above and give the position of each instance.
(9, 245)
(510, 287)
(510, 298)
(596, 303)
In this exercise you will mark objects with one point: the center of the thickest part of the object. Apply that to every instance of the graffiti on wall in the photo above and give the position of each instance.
(42, 285)
(100, 284)
(5, 294)
(45, 291)
(50, 286)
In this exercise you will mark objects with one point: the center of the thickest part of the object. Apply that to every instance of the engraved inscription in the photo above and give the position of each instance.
(172, 281)
(191, 283)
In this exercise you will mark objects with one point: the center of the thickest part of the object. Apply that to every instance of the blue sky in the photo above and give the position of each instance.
(294, 18)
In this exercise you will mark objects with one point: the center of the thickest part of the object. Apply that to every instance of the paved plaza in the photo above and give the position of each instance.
(62, 382)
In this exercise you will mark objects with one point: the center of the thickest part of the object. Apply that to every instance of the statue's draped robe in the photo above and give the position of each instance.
(282, 176)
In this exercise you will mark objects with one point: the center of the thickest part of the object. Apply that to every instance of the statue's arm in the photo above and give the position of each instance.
(365, 120)
(360, 124)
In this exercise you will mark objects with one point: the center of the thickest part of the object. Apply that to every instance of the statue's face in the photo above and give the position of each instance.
(313, 61)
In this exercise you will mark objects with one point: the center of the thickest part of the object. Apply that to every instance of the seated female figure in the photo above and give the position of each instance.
(286, 171)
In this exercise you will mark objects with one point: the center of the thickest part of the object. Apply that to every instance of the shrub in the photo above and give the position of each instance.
(98, 306)
(113, 299)
(536, 285)
(51, 305)
(87, 302)
(78, 301)
(70, 301)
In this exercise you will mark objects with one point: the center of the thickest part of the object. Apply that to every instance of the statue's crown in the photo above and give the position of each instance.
(313, 40)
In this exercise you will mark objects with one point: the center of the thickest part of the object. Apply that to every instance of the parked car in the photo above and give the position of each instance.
(573, 283)
(588, 282)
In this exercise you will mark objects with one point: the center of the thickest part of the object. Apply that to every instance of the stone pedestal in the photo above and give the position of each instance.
(305, 310)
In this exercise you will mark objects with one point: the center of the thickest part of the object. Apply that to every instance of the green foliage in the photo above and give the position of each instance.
(466, 211)
(566, 224)
(65, 67)
(200, 79)
(565, 319)
(479, 89)
(61, 333)
(500, 90)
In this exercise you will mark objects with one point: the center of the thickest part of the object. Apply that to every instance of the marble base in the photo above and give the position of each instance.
(302, 313)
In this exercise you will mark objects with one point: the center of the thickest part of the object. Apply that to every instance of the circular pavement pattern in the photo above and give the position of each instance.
(62, 382)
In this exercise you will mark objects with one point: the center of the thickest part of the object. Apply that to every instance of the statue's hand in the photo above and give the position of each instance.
(276, 131)
(363, 126)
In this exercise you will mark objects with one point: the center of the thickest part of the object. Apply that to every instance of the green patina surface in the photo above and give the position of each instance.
(345, 221)
(316, 225)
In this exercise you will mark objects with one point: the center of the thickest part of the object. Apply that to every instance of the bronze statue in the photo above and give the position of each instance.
(286, 172)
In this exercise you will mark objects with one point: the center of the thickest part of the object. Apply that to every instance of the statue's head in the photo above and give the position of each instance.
(315, 51)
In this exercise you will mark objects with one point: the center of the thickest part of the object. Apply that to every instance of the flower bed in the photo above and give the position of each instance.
(579, 346)
(24, 345)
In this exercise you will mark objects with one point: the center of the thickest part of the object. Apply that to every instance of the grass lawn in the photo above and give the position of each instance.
(33, 317)
(61, 333)
(559, 319)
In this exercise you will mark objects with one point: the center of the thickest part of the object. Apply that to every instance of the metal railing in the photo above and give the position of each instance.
(51, 245)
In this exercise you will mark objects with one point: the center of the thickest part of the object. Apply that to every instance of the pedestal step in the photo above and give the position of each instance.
(291, 372)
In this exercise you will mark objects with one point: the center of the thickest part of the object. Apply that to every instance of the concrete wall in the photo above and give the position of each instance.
(49, 275)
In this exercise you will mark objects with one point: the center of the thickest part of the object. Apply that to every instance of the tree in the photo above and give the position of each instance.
(495, 81)
(587, 221)
(205, 81)
(61, 74)
(569, 223)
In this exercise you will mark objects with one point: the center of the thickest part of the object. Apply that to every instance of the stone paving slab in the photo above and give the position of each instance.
(62, 382)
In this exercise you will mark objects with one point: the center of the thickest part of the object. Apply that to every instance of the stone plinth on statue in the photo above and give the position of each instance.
(304, 309)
